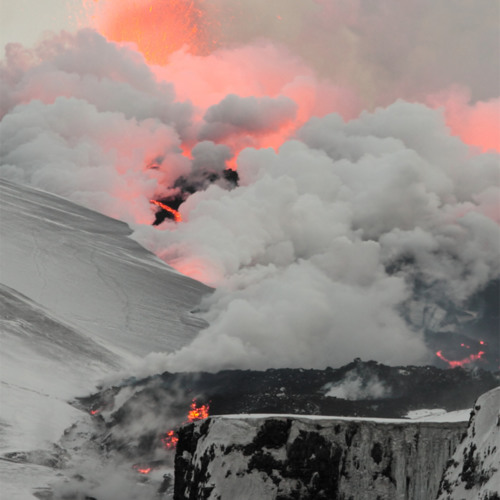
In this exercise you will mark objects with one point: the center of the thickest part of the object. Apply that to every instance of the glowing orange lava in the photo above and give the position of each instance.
(94, 412)
(142, 470)
(462, 362)
(175, 213)
(170, 440)
(197, 413)
(157, 27)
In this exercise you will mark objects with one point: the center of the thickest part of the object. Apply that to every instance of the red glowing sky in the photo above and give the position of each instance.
(159, 28)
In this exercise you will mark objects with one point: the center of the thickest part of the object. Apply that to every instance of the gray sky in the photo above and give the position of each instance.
(26, 20)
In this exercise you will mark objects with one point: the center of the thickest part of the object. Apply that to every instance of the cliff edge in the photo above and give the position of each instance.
(296, 457)
(473, 473)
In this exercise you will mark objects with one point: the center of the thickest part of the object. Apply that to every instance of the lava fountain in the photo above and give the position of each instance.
(157, 27)
(174, 213)
(169, 440)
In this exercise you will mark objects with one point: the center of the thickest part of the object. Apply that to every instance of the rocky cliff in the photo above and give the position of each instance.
(473, 473)
(292, 457)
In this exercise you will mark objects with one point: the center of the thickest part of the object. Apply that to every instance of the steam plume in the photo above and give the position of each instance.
(339, 215)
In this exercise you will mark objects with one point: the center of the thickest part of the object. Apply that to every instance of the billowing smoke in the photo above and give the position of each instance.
(444, 55)
(342, 228)
(70, 128)
(384, 49)
(304, 244)
(354, 387)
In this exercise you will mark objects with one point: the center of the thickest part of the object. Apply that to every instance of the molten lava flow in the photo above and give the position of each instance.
(197, 413)
(157, 27)
(175, 213)
(94, 412)
(462, 362)
(170, 440)
(142, 469)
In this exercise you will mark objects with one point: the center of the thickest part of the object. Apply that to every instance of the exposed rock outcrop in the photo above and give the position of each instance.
(359, 389)
(473, 473)
(292, 457)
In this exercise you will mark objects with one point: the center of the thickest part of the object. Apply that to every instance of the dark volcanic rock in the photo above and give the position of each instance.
(360, 389)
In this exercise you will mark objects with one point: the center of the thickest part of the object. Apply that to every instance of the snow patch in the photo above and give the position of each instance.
(473, 473)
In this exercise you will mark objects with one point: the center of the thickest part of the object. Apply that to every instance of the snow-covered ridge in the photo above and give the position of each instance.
(417, 416)
(79, 300)
(83, 268)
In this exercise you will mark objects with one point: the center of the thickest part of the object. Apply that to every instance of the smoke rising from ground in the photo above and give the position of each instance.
(339, 213)
(354, 387)
(303, 244)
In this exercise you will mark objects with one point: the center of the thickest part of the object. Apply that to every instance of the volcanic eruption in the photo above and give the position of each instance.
(333, 221)
(158, 28)
(326, 171)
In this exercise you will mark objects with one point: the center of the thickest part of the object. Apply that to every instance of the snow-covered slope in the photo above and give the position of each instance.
(473, 472)
(82, 267)
(44, 364)
(80, 300)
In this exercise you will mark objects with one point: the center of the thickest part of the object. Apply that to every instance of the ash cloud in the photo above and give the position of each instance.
(83, 118)
(301, 251)
(338, 217)
(386, 50)
(235, 114)
(431, 52)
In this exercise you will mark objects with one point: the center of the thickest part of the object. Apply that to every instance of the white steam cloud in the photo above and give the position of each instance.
(354, 388)
(303, 244)
(299, 251)
(234, 114)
